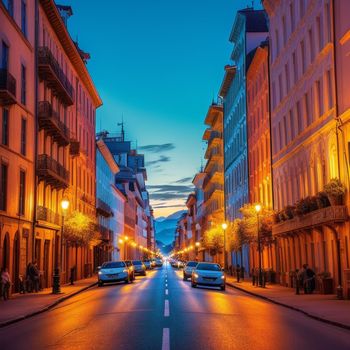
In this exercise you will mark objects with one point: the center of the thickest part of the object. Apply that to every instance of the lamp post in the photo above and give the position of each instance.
(258, 209)
(197, 244)
(121, 241)
(224, 227)
(56, 285)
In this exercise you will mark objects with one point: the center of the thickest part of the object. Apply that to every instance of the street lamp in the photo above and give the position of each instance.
(56, 285)
(258, 209)
(197, 244)
(224, 227)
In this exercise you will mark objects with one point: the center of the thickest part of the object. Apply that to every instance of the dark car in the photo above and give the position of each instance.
(131, 268)
(139, 267)
(189, 267)
(159, 262)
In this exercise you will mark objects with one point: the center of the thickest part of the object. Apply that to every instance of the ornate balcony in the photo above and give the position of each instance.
(53, 173)
(7, 88)
(52, 73)
(318, 218)
(50, 121)
(45, 214)
(103, 208)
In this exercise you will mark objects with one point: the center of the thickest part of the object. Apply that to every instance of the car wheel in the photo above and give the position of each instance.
(223, 287)
(100, 284)
(144, 273)
(193, 285)
(185, 278)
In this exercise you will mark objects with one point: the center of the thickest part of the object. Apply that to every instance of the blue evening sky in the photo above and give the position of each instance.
(159, 63)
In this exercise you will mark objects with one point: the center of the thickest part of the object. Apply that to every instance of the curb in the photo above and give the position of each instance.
(318, 318)
(46, 308)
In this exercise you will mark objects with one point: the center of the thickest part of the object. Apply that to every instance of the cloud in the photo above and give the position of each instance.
(169, 192)
(157, 148)
(169, 206)
(183, 180)
(161, 159)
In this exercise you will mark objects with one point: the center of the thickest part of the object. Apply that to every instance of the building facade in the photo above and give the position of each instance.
(259, 142)
(17, 151)
(306, 148)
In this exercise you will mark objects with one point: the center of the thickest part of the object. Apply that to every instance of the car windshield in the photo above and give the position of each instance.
(113, 265)
(137, 262)
(209, 267)
(146, 261)
(128, 263)
(192, 264)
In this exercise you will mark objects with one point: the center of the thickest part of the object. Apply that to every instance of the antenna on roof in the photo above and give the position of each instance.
(122, 125)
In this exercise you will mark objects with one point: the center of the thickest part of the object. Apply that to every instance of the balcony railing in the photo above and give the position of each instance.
(45, 214)
(103, 208)
(50, 121)
(326, 216)
(7, 88)
(50, 71)
(105, 233)
(214, 135)
(53, 173)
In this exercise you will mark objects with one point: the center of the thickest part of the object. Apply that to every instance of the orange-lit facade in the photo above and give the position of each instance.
(17, 125)
(259, 140)
(67, 101)
(308, 149)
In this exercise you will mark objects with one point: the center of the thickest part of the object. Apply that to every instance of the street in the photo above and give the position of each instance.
(161, 311)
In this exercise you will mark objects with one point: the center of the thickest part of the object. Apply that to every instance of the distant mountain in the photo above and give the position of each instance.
(165, 249)
(165, 227)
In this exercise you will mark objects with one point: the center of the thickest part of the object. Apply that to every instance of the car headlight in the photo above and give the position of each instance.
(100, 272)
(223, 277)
(125, 270)
(195, 275)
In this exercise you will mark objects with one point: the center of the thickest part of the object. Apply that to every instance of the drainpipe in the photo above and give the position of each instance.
(36, 94)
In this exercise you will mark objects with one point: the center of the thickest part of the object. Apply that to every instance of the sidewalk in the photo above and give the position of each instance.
(22, 306)
(322, 307)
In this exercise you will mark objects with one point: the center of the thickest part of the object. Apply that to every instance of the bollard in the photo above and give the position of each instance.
(56, 286)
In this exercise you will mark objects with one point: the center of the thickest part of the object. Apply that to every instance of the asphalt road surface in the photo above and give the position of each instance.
(160, 311)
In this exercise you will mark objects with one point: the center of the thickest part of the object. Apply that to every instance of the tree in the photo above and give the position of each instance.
(213, 240)
(80, 228)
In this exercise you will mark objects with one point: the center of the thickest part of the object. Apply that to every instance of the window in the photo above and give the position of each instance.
(312, 45)
(9, 6)
(302, 8)
(300, 119)
(307, 112)
(3, 187)
(295, 67)
(280, 87)
(319, 103)
(22, 192)
(23, 84)
(4, 56)
(23, 136)
(303, 58)
(319, 33)
(330, 89)
(291, 123)
(24, 17)
(292, 16)
(286, 69)
(328, 25)
(277, 43)
(5, 127)
(284, 26)
(285, 130)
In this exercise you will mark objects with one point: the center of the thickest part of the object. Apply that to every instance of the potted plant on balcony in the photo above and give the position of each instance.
(326, 282)
(306, 205)
(322, 200)
(335, 191)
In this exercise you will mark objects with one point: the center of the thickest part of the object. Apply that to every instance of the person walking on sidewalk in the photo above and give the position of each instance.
(311, 283)
(5, 283)
(238, 272)
(34, 276)
(302, 278)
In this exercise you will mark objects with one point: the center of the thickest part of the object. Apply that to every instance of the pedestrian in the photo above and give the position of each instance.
(310, 275)
(5, 283)
(34, 276)
(302, 278)
(238, 272)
